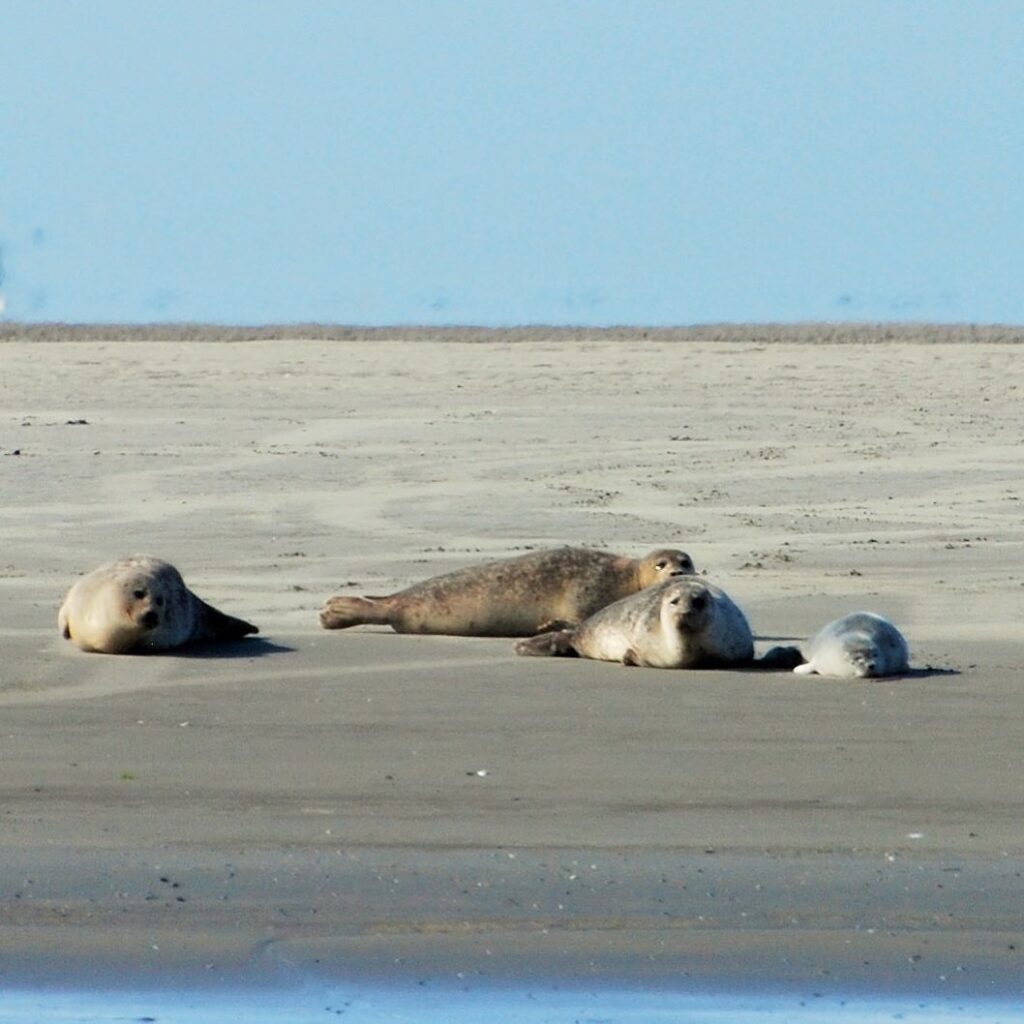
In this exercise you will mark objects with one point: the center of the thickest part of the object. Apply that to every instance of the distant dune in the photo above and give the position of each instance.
(860, 333)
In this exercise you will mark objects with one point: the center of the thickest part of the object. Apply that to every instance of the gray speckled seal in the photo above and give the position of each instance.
(682, 623)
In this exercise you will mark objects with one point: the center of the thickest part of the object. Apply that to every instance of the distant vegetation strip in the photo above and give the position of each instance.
(832, 333)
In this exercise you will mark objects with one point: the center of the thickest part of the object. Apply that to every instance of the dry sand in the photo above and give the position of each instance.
(311, 801)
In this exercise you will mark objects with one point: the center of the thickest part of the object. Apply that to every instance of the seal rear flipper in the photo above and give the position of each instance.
(216, 625)
(781, 658)
(555, 644)
(343, 612)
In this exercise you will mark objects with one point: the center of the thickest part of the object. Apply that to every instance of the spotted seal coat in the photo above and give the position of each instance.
(513, 596)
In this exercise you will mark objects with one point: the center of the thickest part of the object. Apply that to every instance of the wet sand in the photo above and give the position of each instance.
(309, 803)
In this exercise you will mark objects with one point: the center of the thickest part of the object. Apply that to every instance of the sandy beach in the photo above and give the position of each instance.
(361, 802)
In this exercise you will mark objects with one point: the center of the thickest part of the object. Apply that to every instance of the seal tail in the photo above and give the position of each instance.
(554, 644)
(343, 612)
(216, 625)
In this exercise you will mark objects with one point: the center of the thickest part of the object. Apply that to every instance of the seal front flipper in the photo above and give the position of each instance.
(213, 624)
(556, 644)
(556, 626)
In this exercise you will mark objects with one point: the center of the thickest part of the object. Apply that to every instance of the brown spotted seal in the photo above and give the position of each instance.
(859, 645)
(141, 604)
(512, 597)
(681, 623)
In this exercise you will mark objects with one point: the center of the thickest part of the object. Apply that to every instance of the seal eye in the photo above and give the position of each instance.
(138, 594)
(699, 602)
(159, 602)
(660, 565)
(675, 600)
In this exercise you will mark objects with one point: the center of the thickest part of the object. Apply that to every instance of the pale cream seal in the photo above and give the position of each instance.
(141, 604)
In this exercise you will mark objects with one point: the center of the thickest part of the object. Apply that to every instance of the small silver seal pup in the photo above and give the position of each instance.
(858, 645)
(512, 597)
(682, 623)
(141, 604)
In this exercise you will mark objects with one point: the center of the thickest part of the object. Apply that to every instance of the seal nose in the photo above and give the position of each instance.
(150, 620)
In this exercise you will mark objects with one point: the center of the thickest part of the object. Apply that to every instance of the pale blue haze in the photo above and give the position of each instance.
(512, 161)
(453, 1004)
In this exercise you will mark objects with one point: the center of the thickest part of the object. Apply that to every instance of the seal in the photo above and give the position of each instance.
(858, 645)
(517, 596)
(138, 605)
(681, 623)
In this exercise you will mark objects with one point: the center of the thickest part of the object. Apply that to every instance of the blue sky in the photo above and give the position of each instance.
(512, 161)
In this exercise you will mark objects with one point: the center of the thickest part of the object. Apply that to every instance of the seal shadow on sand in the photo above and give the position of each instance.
(927, 672)
(232, 650)
(784, 663)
